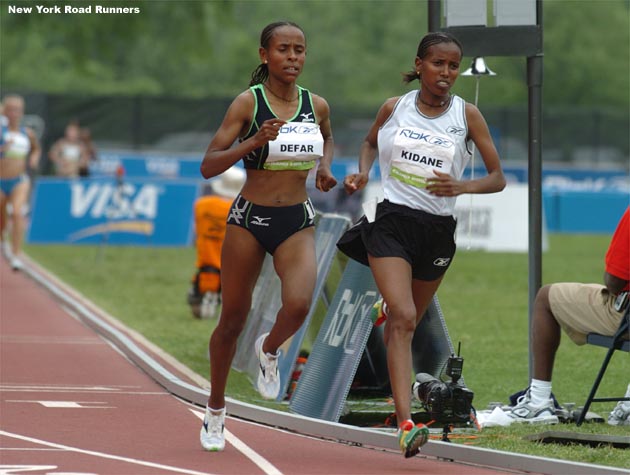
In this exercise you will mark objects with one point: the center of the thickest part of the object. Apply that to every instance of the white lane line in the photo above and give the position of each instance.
(239, 445)
(103, 455)
(59, 387)
(13, 469)
(66, 404)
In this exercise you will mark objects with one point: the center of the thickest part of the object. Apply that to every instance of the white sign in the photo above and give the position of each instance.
(495, 222)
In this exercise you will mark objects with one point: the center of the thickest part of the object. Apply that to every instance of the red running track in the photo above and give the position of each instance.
(71, 403)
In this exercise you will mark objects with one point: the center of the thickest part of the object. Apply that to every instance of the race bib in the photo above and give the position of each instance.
(416, 153)
(297, 147)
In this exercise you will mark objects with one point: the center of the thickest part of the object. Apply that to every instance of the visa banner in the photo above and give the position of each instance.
(126, 212)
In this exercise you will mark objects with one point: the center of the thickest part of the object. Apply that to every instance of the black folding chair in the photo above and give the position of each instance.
(619, 341)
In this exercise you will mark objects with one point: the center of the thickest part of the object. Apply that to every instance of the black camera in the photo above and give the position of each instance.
(446, 402)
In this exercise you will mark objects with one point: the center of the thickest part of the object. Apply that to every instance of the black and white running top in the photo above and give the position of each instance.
(300, 142)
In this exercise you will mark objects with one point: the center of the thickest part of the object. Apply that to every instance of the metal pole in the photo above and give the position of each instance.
(534, 81)
(534, 177)
(434, 12)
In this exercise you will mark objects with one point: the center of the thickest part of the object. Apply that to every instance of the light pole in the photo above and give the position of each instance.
(477, 68)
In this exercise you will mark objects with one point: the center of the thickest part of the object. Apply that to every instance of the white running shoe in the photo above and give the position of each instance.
(211, 436)
(620, 415)
(524, 411)
(268, 383)
(16, 263)
(6, 249)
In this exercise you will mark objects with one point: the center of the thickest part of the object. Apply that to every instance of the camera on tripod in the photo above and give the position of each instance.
(446, 402)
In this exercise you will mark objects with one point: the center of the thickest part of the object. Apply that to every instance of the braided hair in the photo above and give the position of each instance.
(431, 39)
(261, 73)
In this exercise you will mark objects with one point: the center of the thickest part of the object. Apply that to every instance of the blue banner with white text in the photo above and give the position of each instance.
(96, 211)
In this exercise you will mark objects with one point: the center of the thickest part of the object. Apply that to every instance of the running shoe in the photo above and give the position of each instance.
(268, 382)
(378, 314)
(620, 415)
(16, 263)
(6, 249)
(411, 437)
(211, 436)
(525, 411)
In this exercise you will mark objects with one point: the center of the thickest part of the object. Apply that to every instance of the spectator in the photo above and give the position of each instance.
(69, 154)
(19, 154)
(211, 212)
(86, 137)
(578, 309)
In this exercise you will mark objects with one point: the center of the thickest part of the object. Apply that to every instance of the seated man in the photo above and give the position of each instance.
(578, 309)
(211, 212)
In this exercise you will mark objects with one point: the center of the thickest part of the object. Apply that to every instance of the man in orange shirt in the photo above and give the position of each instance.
(211, 213)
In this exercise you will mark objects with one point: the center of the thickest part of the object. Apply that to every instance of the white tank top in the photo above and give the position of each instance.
(71, 152)
(16, 144)
(411, 145)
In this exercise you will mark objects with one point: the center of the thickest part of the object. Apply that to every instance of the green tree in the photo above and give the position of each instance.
(357, 50)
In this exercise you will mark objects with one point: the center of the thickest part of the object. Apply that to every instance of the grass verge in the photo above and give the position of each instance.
(484, 298)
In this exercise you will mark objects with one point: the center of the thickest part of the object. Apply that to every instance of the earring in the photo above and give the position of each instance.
(418, 73)
(265, 61)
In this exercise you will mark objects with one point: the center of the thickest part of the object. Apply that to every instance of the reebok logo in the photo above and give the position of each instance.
(442, 261)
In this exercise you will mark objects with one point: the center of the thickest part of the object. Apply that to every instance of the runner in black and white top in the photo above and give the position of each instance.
(423, 140)
(283, 131)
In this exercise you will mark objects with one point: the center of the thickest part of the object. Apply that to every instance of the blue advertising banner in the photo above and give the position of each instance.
(142, 164)
(146, 165)
(95, 211)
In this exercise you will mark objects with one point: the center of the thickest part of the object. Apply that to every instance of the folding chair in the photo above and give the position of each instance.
(618, 341)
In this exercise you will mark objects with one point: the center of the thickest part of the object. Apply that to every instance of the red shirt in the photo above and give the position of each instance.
(618, 255)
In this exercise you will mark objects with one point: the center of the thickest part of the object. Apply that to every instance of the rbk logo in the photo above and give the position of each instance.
(442, 261)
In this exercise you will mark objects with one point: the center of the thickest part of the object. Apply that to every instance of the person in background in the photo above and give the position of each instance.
(282, 131)
(86, 137)
(19, 154)
(578, 309)
(3, 118)
(211, 212)
(69, 154)
(424, 140)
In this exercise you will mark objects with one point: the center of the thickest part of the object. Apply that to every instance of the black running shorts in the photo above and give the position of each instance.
(271, 225)
(426, 241)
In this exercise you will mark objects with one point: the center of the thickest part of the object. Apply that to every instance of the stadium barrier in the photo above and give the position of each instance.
(326, 379)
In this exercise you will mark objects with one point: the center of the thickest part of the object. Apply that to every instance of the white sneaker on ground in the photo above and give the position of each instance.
(16, 263)
(6, 249)
(211, 436)
(268, 382)
(525, 411)
(620, 415)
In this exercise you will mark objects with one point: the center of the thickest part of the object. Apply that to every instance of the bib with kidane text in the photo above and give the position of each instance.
(416, 153)
(298, 146)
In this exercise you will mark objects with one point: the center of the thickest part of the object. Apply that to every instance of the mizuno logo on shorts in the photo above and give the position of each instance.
(259, 221)
(442, 261)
